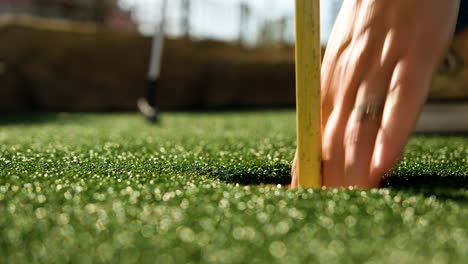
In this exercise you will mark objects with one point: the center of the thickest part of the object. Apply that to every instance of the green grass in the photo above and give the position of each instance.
(85, 188)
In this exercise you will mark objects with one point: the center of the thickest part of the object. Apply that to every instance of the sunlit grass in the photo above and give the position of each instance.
(110, 188)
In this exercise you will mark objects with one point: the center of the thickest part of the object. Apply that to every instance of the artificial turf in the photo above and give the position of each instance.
(90, 188)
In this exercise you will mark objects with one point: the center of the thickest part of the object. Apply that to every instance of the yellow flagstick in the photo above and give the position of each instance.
(308, 63)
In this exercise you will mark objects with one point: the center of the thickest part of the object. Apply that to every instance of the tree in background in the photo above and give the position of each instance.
(272, 32)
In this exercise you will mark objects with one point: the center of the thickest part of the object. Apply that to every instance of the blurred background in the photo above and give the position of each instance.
(93, 55)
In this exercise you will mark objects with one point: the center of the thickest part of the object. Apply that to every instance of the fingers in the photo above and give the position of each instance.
(410, 83)
(365, 120)
(342, 31)
(333, 159)
(406, 96)
(361, 131)
(345, 128)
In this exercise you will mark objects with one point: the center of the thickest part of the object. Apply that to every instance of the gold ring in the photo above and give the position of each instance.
(370, 111)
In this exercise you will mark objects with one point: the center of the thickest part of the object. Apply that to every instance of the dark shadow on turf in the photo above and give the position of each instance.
(446, 188)
(269, 175)
(252, 179)
(453, 188)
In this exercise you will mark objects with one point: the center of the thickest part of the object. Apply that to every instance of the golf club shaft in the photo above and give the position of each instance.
(156, 57)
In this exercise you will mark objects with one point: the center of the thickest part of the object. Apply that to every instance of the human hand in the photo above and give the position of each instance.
(376, 74)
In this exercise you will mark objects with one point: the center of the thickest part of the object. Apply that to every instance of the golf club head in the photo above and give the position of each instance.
(150, 113)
